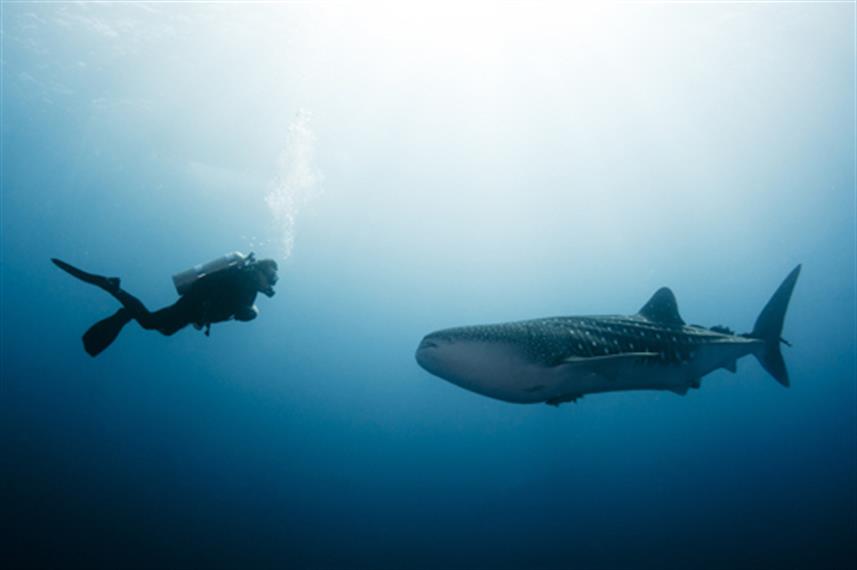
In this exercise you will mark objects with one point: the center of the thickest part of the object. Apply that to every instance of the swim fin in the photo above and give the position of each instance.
(104, 332)
(109, 284)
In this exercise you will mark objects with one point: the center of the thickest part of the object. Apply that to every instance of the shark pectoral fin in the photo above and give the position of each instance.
(623, 358)
(555, 402)
(608, 366)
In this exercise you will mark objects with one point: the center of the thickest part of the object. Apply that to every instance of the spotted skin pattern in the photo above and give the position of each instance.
(551, 341)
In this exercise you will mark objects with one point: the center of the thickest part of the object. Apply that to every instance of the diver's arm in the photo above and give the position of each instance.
(223, 296)
(246, 313)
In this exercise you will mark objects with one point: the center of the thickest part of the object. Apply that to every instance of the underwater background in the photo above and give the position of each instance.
(414, 168)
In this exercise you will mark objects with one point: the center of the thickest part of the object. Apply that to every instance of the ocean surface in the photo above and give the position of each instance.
(413, 168)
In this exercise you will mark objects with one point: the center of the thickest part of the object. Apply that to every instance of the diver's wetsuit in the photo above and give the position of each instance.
(214, 298)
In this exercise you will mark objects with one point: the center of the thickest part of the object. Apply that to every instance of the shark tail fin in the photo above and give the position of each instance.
(769, 328)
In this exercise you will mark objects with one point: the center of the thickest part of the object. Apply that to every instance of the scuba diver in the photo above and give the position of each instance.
(217, 291)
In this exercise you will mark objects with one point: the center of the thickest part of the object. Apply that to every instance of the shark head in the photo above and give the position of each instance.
(488, 360)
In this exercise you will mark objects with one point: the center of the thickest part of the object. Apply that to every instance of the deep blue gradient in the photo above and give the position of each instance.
(569, 163)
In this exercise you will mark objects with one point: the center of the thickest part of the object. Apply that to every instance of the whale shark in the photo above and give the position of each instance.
(560, 359)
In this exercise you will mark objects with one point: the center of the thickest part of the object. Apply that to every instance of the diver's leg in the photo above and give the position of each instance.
(168, 320)
(135, 307)
(109, 284)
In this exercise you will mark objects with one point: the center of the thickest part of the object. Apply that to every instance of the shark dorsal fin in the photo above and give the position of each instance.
(662, 308)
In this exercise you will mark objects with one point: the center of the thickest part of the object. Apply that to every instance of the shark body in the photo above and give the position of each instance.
(560, 359)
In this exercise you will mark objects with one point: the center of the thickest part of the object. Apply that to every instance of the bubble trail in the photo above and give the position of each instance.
(298, 182)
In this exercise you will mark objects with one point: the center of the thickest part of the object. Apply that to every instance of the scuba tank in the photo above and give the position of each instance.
(185, 279)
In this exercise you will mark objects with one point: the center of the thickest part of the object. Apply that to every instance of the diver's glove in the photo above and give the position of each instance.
(245, 314)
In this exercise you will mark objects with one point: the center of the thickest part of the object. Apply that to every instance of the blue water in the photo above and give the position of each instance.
(413, 169)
